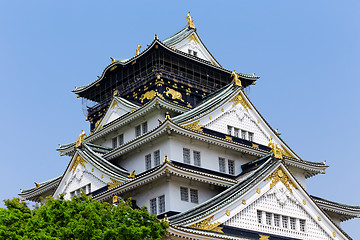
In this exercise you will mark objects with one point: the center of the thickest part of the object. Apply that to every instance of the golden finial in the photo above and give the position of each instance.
(113, 60)
(81, 138)
(138, 50)
(115, 199)
(275, 149)
(37, 185)
(132, 174)
(166, 218)
(190, 21)
(166, 159)
(115, 93)
(167, 116)
(236, 78)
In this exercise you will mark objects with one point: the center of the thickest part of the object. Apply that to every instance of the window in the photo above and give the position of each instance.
(189, 51)
(144, 127)
(268, 218)
(302, 225)
(186, 155)
(277, 220)
(236, 132)
(195, 53)
(137, 131)
(141, 129)
(153, 208)
(148, 161)
(161, 200)
(157, 158)
(285, 222)
(229, 130)
(121, 139)
(86, 189)
(251, 136)
(259, 216)
(114, 142)
(231, 166)
(197, 161)
(243, 134)
(194, 196)
(292, 223)
(184, 194)
(221, 164)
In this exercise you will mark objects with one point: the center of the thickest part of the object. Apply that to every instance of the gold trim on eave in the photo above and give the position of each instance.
(113, 183)
(195, 126)
(280, 175)
(207, 225)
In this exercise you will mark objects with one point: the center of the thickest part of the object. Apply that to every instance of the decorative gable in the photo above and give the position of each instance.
(276, 205)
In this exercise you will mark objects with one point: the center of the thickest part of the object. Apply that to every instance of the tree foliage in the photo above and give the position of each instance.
(80, 218)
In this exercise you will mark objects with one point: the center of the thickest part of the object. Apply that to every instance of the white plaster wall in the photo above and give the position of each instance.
(136, 159)
(299, 175)
(209, 154)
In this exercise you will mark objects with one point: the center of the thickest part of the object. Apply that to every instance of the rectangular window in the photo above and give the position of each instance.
(285, 221)
(121, 139)
(236, 132)
(268, 218)
(194, 196)
(153, 209)
(184, 194)
(197, 160)
(137, 131)
(229, 130)
(302, 225)
(292, 223)
(243, 134)
(221, 164)
(161, 200)
(144, 127)
(277, 220)
(114, 142)
(148, 161)
(157, 158)
(259, 216)
(231, 166)
(251, 136)
(186, 155)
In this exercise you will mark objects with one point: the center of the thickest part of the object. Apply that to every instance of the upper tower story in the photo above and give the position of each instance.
(179, 69)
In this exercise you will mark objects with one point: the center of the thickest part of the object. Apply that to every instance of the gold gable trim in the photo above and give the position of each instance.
(113, 183)
(280, 175)
(78, 160)
(239, 99)
(207, 225)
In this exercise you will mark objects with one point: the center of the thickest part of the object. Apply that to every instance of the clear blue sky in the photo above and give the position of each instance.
(306, 52)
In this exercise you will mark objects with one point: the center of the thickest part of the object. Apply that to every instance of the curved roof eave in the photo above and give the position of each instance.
(157, 41)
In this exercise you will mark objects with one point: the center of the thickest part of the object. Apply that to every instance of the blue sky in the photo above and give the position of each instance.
(306, 52)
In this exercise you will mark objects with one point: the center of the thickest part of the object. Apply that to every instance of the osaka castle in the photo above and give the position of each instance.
(173, 130)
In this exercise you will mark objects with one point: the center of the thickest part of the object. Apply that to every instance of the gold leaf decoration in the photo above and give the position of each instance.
(263, 237)
(195, 126)
(239, 99)
(148, 95)
(78, 160)
(113, 183)
(174, 94)
(207, 225)
(280, 175)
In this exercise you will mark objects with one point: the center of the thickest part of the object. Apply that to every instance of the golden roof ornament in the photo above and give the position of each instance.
(132, 174)
(190, 21)
(166, 219)
(166, 159)
(112, 60)
(275, 149)
(236, 78)
(81, 138)
(138, 50)
(115, 93)
(167, 116)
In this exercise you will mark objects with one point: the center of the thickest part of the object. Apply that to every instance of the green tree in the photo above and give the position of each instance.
(80, 218)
